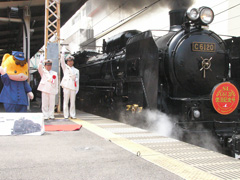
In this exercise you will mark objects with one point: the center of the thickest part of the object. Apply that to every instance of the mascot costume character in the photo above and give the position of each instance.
(14, 70)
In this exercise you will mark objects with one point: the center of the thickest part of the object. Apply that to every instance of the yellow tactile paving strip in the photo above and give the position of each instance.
(182, 169)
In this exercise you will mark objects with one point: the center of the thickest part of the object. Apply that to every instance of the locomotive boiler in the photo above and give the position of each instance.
(190, 72)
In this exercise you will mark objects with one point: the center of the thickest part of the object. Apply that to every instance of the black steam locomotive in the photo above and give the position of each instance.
(189, 72)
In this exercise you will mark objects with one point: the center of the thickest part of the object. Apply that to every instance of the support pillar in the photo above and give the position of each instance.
(26, 40)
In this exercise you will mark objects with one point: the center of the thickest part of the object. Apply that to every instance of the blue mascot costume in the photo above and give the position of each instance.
(16, 90)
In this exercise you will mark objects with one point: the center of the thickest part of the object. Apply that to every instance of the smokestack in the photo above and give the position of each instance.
(177, 18)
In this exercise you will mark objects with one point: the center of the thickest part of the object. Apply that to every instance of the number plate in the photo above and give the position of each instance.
(203, 47)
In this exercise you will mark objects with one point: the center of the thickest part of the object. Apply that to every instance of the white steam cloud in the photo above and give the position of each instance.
(152, 120)
(166, 125)
(159, 122)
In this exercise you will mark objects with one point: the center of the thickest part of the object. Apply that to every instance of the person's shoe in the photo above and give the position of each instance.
(66, 118)
(52, 118)
(73, 118)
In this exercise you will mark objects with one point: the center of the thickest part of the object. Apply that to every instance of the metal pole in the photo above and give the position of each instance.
(26, 37)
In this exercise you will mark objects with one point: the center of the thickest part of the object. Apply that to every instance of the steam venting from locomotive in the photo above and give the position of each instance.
(164, 125)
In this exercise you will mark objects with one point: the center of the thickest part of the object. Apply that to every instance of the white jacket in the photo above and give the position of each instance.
(71, 76)
(47, 84)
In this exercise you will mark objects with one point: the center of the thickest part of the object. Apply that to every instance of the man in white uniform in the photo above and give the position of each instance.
(70, 85)
(49, 87)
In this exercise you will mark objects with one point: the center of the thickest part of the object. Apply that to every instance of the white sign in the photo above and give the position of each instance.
(21, 124)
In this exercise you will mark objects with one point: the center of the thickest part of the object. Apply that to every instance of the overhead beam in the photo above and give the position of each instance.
(6, 4)
(7, 20)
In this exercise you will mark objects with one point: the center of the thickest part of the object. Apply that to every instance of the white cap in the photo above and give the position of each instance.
(69, 58)
(47, 61)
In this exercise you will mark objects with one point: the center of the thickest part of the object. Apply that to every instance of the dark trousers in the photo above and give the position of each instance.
(15, 107)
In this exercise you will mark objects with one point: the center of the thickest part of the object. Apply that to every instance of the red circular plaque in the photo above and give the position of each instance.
(225, 98)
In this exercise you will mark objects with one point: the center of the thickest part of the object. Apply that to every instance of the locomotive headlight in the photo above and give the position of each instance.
(196, 113)
(192, 14)
(206, 15)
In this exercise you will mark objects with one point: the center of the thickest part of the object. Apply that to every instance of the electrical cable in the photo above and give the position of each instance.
(129, 17)
(123, 21)
(111, 13)
(215, 14)
(225, 20)
(120, 23)
(219, 3)
(227, 9)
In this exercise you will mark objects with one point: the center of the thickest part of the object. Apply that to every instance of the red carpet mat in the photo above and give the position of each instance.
(63, 127)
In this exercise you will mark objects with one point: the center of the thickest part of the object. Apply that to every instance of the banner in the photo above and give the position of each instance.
(21, 124)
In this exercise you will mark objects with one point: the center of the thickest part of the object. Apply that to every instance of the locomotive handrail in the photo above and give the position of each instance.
(201, 131)
(212, 121)
(98, 87)
(99, 61)
(187, 130)
(190, 99)
(227, 122)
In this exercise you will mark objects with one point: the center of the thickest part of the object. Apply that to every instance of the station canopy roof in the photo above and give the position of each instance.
(11, 32)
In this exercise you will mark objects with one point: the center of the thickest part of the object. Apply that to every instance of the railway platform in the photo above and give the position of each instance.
(106, 149)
